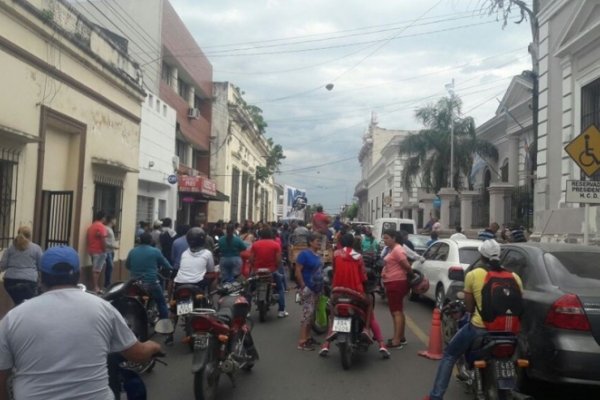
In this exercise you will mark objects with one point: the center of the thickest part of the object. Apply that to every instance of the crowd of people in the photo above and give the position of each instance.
(190, 255)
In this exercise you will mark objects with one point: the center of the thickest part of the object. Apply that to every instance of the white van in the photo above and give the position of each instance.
(397, 224)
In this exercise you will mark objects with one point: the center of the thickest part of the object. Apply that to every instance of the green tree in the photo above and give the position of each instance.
(273, 161)
(351, 211)
(429, 150)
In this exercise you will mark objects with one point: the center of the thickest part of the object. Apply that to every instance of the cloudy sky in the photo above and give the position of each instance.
(384, 56)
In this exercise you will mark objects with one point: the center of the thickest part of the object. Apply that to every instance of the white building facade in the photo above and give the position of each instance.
(157, 197)
(240, 148)
(569, 102)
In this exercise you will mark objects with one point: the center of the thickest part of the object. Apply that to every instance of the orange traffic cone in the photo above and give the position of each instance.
(434, 351)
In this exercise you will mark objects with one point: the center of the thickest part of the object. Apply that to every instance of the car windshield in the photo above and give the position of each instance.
(468, 255)
(573, 269)
(407, 228)
(419, 241)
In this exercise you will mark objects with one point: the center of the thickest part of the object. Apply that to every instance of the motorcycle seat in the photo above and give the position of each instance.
(225, 315)
(357, 298)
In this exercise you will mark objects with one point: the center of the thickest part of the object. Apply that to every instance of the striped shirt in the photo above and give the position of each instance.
(486, 234)
(518, 236)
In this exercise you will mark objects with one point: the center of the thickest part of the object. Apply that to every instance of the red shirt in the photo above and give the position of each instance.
(320, 222)
(265, 253)
(348, 270)
(96, 234)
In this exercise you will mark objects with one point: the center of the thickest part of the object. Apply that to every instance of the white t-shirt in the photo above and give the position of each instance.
(58, 343)
(194, 265)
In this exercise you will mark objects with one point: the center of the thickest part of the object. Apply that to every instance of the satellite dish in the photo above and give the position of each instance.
(329, 86)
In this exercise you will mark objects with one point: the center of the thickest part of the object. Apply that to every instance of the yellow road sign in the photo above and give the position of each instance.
(585, 150)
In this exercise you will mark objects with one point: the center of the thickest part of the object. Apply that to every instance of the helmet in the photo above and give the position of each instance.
(196, 237)
(490, 249)
(418, 283)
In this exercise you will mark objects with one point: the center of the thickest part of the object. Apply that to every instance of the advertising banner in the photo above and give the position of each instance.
(294, 203)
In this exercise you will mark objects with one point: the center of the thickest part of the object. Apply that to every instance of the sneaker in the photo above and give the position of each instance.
(324, 352)
(403, 342)
(305, 346)
(391, 345)
(385, 353)
(282, 314)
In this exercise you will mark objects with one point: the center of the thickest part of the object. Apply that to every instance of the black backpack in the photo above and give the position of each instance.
(501, 301)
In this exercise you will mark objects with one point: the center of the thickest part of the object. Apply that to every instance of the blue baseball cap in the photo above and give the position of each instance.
(60, 260)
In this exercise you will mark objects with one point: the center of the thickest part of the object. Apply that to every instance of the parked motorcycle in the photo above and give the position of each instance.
(135, 305)
(222, 340)
(265, 292)
(490, 368)
(349, 321)
(187, 298)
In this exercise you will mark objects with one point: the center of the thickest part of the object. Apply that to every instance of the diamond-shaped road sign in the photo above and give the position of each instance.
(585, 150)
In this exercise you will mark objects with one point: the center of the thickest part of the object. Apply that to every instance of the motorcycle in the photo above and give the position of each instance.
(222, 340)
(490, 368)
(265, 292)
(134, 304)
(121, 379)
(187, 298)
(349, 321)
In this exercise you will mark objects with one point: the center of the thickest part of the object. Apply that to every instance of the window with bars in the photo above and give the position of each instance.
(109, 198)
(8, 185)
(145, 209)
(590, 112)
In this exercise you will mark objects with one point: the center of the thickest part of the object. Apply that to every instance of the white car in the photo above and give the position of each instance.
(439, 258)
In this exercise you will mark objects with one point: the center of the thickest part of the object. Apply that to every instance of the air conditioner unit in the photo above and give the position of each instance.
(193, 113)
(175, 161)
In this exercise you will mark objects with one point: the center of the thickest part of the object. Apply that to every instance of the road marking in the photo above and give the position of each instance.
(412, 325)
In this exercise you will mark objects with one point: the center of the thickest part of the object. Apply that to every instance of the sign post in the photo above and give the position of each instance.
(585, 151)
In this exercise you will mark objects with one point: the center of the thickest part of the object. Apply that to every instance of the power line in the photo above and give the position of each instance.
(317, 166)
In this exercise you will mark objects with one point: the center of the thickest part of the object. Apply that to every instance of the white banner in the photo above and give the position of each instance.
(294, 202)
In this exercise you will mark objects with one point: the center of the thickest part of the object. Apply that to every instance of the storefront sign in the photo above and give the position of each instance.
(197, 184)
(583, 192)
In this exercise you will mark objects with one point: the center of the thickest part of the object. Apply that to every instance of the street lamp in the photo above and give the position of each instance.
(450, 89)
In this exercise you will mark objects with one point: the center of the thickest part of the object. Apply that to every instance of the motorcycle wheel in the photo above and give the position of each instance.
(262, 311)
(346, 355)
(206, 382)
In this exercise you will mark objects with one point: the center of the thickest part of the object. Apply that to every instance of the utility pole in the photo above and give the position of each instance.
(450, 89)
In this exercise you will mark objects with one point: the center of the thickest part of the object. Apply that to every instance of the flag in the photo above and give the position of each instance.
(478, 164)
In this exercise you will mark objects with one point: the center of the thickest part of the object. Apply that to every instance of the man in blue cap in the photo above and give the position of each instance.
(58, 342)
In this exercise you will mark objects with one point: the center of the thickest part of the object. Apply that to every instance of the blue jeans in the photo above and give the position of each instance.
(231, 268)
(281, 270)
(157, 293)
(279, 281)
(459, 344)
(109, 268)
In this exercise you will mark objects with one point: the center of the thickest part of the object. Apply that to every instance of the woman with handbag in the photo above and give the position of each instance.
(395, 280)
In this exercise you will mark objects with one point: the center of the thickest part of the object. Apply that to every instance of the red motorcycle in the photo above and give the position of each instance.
(222, 340)
(349, 320)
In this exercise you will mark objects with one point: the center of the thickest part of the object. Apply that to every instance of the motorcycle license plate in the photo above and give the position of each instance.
(505, 369)
(185, 307)
(343, 325)
(201, 341)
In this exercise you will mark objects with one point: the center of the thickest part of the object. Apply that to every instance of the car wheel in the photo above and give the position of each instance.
(439, 296)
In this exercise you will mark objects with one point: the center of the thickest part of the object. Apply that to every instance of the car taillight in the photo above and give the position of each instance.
(567, 313)
(505, 350)
(201, 324)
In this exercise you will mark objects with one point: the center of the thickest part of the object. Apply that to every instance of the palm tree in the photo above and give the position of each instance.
(429, 150)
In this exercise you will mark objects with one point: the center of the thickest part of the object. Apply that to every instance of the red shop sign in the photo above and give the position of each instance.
(197, 184)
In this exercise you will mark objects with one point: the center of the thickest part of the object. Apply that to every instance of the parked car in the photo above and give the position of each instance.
(420, 242)
(560, 329)
(438, 259)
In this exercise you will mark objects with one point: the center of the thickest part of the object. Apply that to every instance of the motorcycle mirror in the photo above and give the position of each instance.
(460, 295)
(164, 327)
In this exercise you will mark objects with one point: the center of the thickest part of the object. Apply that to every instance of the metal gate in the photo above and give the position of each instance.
(58, 216)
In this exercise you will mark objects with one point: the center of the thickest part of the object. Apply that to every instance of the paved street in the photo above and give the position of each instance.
(286, 373)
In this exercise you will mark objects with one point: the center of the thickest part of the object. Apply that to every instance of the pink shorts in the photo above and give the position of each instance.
(396, 291)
